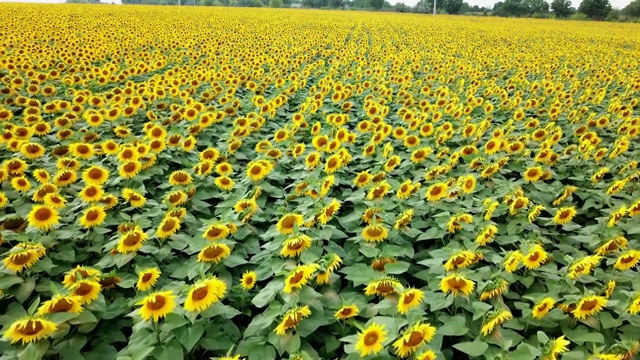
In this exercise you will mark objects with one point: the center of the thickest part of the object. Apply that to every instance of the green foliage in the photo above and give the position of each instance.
(561, 8)
(276, 3)
(453, 6)
(633, 9)
(595, 9)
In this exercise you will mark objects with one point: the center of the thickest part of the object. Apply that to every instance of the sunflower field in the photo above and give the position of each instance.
(195, 183)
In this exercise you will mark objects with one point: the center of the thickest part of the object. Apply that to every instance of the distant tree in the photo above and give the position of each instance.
(514, 8)
(633, 9)
(276, 3)
(465, 8)
(376, 4)
(595, 9)
(336, 3)
(400, 7)
(257, 3)
(498, 9)
(562, 8)
(453, 6)
(536, 7)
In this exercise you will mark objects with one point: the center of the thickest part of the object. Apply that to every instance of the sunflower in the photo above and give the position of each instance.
(86, 290)
(553, 349)
(60, 303)
(615, 244)
(533, 174)
(131, 241)
(427, 355)
(588, 306)
(95, 175)
(627, 260)
(383, 287)
(134, 198)
(289, 222)
(248, 280)
(493, 289)
(493, 320)
(21, 257)
(91, 193)
(294, 246)
(4, 200)
(214, 253)
(346, 312)
(79, 273)
(564, 215)
(312, 160)
(92, 217)
(109, 201)
(147, 279)
(30, 329)
(413, 338)
(634, 306)
(403, 220)
(543, 307)
(168, 226)
(224, 169)
(437, 192)
(65, 177)
(512, 261)
(457, 284)
(409, 299)
(535, 257)
(487, 235)
(130, 169)
(331, 263)
(180, 177)
(216, 232)
(374, 233)
(224, 183)
(299, 277)
(459, 260)
(370, 339)
(256, 171)
(204, 294)
(291, 319)
(157, 305)
(468, 184)
(43, 217)
(20, 184)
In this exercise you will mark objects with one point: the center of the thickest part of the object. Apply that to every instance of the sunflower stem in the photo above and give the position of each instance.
(156, 329)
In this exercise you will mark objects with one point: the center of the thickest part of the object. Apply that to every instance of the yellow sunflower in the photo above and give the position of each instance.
(409, 299)
(204, 294)
(383, 287)
(362, 179)
(92, 217)
(346, 312)
(374, 233)
(168, 226)
(564, 215)
(22, 257)
(457, 284)
(413, 338)
(147, 279)
(214, 253)
(437, 192)
(291, 319)
(542, 308)
(493, 320)
(224, 183)
(134, 198)
(294, 246)
(289, 222)
(131, 241)
(370, 339)
(553, 349)
(157, 305)
(20, 184)
(249, 279)
(86, 290)
(95, 175)
(43, 217)
(30, 329)
(299, 277)
(627, 260)
(535, 257)
(130, 169)
(588, 306)
(216, 232)
(60, 303)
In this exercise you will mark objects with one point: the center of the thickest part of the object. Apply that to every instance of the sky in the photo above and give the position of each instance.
(619, 4)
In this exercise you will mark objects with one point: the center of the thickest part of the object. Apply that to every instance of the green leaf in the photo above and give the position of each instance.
(6, 281)
(525, 352)
(190, 335)
(170, 351)
(399, 267)
(475, 348)
(454, 326)
(542, 337)
(267, 294)
(25, 289)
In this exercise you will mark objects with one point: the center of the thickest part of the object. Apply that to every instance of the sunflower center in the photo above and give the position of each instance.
(95, 174)
(385, 288)
(91, 192)
(147, 277)
(169, 225)
(437, 190)
(157, 303)
(287, 222)
(21, 258)
(174, 198)
(534, 257)
(589, 305)
(627, 259)
(374, 231)
(61, 305)
(415, 338)
(200, 293)
(456, 283)
(130, 167)
(371, 338)
(83, 289)
(332, 163)
(132, 239)
(225, 181)
(256, 170)
(346, 312)
(213, 252)
(214, 232)
(542, 307)
(43, 214)
(408, 298)
(32, 327)
(93, 215)
(295, 246)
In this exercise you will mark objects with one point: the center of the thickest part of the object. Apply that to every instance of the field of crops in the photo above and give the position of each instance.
(248, 183)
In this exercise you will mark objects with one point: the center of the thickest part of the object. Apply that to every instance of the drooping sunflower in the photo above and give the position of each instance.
(437, 192)
(383, 287)
(427, 355)
(374, 233)
(494, 288)
(216, 232)
(495, 319)
(86, 290)
(370, 339)
(542, 308)
(328, 211)
(331, 263)
(168, 226)
(512, 261)
(564, 215)
(289, 222)
(30, 329)
(553, 349)
(627, 260)
(409, 299)
(109, 201)
(131, 241)
(249, 279)
(588, 306)
(204, 294)
(93, 217)
(214, 253)
(291, 319)
(413, 338)
(61, 303)
(294, 246)
(147, 279)
(457, 284)
(634, 306)
(23, 256)
(615, 244)
(43, 217)
(157, 305)
(346, 312)
(299, 277)
(584, 266)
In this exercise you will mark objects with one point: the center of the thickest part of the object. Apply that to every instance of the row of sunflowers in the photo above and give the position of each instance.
(260, 184)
